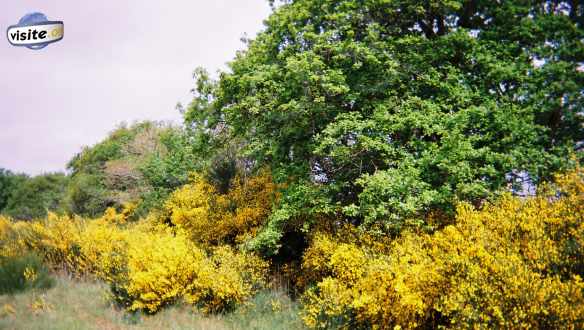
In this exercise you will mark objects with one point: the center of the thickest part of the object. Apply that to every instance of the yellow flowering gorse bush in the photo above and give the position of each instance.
(213, 218)
(148, 264)
(515, 264)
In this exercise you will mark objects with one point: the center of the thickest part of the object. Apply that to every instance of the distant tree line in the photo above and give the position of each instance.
(139, 164)
(24, 197)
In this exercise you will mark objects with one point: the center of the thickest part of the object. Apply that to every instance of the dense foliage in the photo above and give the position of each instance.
(214, 218)
(8, 182)
(23, 272)
(148, 265)
(397, 109)
(141, 163)
(515, 264)
(26, 198)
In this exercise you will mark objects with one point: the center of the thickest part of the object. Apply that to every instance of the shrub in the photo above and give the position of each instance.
(8, 241)
(86, 195)
(236, 277)
(517, 263)
(213, 218)
(148, 265)
(103, 247)
(21, 273)
(163, 267)
(55, 239)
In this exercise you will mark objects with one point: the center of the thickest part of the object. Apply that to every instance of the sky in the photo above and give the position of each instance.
(119, 61)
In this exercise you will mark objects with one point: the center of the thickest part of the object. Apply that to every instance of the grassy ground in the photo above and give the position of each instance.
(73, 304)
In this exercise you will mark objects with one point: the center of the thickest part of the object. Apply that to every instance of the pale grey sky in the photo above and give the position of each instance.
(119, 61)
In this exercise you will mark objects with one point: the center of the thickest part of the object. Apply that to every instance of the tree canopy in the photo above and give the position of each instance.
(140, 163)
(384, 111)
(29, 198)
(8, 182)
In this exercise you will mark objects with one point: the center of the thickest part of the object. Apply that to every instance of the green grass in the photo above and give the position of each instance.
(74, 304)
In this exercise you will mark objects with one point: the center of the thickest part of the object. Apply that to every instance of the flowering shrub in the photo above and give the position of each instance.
(55, 239)
(164, 266)
(148, 265)
(8, 239)
(369, 289)
(103, 248)
(161, 268)
(334, 248)
(517, 263)
(213, 218)
(228, 280)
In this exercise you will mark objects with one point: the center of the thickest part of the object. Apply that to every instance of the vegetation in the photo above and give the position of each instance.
(141, 163)
(395, 163)
(148, 264)
(29, 198)
(88, 308)
(22, 273)
(211, 218)
(514, 263)
(398, 109)
(517, 263)
(8, 182)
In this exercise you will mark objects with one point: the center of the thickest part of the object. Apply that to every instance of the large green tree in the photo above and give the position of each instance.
(385, 110)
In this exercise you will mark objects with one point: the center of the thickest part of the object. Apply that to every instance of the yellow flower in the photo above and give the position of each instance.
(30, 274)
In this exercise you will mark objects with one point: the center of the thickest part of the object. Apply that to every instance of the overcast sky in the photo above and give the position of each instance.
(119, 61)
